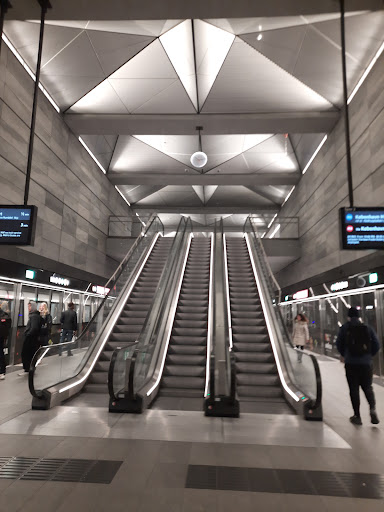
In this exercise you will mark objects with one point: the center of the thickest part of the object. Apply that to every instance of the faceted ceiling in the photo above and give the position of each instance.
(180, 69)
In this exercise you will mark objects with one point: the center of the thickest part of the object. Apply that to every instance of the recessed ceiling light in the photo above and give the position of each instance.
(259, 37)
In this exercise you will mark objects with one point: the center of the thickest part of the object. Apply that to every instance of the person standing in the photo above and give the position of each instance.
(5, 326)
(357, 344)
(31, 337)
(46, 324)
(68, 326)
(300, 334)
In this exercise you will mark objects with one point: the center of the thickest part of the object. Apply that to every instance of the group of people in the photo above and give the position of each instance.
(357, 344)
(37, 332)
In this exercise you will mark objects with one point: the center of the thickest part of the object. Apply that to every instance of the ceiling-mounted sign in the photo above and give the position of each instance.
(302, 294)
(101, 290)
(17, 224)
(61, 281)
(340, 285)
(362, 228)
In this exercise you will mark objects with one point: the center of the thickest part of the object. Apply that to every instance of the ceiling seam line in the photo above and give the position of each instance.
(64, 47)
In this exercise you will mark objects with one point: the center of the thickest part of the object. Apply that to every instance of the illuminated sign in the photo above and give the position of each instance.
(373, 278)
(100, 290)
(362, 228)
(302, 294)
(17, 224)
(59, 280)
(30, 274)
(341, 285)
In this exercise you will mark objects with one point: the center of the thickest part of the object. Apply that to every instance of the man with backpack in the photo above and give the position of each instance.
(357, 344)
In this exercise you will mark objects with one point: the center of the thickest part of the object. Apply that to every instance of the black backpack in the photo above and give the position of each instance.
(358, 340)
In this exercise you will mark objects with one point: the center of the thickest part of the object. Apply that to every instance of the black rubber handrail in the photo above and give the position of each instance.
(87, 327)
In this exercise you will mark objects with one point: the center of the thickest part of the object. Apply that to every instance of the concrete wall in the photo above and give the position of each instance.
(323, 189)
(74, 198)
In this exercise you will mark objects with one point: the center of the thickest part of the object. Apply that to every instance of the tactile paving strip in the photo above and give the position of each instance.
(59, 470)
(325, 483)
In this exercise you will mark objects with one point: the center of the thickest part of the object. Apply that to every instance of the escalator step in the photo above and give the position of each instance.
(255, 367)
(184, 371)
(169, 381)
(251, 379)
(259, 391)
(192, 350)
(187, 359)
(252, 347)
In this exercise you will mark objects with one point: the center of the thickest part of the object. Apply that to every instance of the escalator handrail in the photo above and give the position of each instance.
(162, 305)
(166, 272)
(123, 262)
(45, 349)
(267, 275)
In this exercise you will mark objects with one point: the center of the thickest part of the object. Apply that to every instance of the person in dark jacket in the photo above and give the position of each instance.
(68, 326)
(358, 368)
(31, 337)
(5, 326)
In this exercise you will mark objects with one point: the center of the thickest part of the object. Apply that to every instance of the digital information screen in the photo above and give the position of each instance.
(362, 228)
(17, 224)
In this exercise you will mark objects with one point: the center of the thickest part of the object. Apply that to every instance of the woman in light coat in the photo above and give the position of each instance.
(300, 334)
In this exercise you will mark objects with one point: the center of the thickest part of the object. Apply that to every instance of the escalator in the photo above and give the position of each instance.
(184, 375)
(131, 320)
(256, 372)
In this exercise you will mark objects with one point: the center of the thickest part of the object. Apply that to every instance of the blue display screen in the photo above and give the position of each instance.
(362, 228)
(17, 224)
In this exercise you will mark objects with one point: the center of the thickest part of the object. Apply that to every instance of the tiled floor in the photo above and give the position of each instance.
(157, 448)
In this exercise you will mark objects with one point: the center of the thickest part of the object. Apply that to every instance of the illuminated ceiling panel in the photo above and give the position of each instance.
(212, 46)
(178, 44)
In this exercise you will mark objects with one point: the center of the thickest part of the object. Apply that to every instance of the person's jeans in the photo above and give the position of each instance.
(2, 356)
(65, 336)
(360, 375)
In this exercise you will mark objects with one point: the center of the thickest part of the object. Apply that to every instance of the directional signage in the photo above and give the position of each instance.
(17, 224)
(362, 228)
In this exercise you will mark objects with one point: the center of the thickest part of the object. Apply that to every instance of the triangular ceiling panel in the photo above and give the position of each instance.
(212, 46)
(172, 100)
(204, 193)
(101, 146)
(178, 44)
(240, 26)
(136, 193)
(152, 62)
(114, 50)
(308, 56)
(275, 154)
(179, 147)
(240, 87)
(233, 196)
(103, 99)
(134, 156)
(173, 195)
(219, 148)
(136, 92)
(25, 38)
(139, 27)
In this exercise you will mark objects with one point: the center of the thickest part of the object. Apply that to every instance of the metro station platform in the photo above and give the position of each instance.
(182, 461)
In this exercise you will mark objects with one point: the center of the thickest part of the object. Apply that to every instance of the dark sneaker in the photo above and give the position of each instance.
(374, 419)
(356, 420)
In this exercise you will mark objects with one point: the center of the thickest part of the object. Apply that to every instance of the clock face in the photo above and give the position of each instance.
(199, 159)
